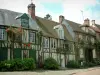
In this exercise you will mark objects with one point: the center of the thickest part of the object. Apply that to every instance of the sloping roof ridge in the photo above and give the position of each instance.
(73, 22)
(47, 19)
(11, 11)
(15, 12)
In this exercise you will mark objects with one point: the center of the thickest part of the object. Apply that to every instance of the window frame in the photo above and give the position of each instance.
(32, 35)
(46, 42)
(53, 43)
(3, 35)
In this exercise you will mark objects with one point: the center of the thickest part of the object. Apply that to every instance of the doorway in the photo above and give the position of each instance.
(88, 55)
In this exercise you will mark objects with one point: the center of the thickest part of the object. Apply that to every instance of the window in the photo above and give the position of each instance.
(24, 36)
(46, 42)
(18, 37)
(3, 35)
(92, 40)
(53, 43)
(61, 34)
(32, 36)
(67, 46)
(80, 36)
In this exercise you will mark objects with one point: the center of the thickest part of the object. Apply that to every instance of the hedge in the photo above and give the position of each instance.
(17, 65)
(51, 64)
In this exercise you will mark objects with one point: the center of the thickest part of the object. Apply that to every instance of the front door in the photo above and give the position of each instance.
(3, 53)
(88, 55)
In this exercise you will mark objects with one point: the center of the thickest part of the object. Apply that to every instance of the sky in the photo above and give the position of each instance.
(74, 10)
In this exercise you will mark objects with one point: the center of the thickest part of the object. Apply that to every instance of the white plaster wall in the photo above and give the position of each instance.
(54, 55)
(46, 55)
(81, 53)
(94, 53)
(62, 61)
(71, 57)
(8, 54)
(58, 59)
(37, 55)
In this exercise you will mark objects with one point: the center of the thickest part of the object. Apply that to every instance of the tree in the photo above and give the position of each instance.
(48, 16)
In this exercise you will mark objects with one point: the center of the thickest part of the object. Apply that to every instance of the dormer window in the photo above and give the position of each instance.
(61, 34)
(60, 31)
(24, 19)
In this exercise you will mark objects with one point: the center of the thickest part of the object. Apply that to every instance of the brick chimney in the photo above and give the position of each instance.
(93, 22)
(61, 18)
(87, 22)
(31, 10)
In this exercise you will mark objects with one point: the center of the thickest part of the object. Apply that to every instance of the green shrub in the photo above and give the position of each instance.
(29, 64)
(89, 64)
(3, 66)
(73, 64)
(96, 61)
(51, 64)
(17, 65)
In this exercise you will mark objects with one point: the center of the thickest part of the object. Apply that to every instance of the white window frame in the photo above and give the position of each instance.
(2, 34)
(61, 34)
(53, 43)
(24, 36)
(92, 40)
(46, 42)
(32, 37)
(80, 36)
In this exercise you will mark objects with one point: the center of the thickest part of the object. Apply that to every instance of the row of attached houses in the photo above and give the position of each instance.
(26, 35)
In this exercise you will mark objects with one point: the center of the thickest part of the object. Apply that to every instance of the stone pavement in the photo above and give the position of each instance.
(49, 72)
(92, 72)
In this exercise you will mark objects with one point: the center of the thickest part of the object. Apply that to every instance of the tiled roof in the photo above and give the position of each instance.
(75, 26)
(98, 25)
(95, 29)
(67, 34)
(7, 17)
(47, 27)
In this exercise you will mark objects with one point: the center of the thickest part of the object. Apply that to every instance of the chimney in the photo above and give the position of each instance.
(93, 22)
(61, 18)
(31, 10)
(87, 22)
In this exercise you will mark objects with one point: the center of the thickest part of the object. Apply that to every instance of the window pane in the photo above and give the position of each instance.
(32, 37)
(46, 42)
(1, 34)
(24, 36)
